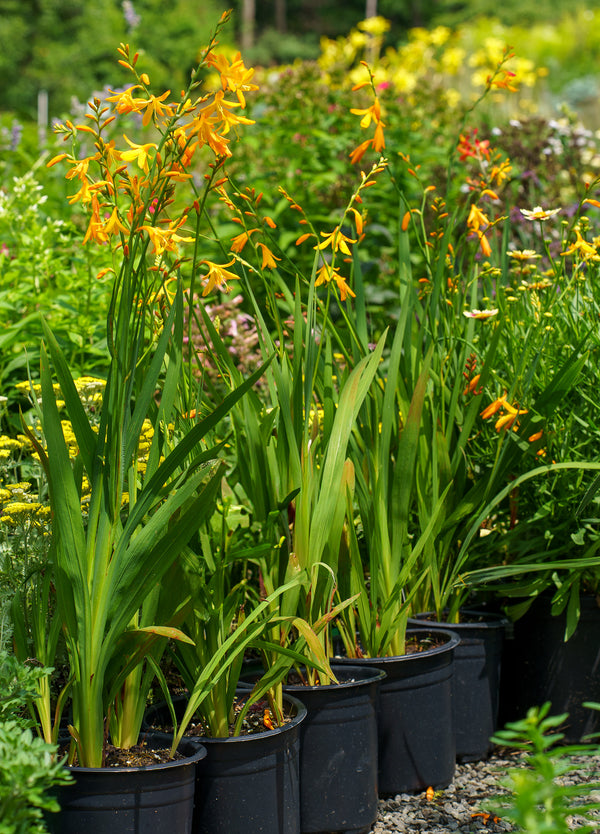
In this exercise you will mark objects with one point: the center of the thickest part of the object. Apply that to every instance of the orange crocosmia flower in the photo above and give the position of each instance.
(239, 241)
(358, 220)
(503, 82)
(224, 110)
(493, 408)
(533, 437)
(268, 258)
(378, 140)
(59, 158)
(511, 413)
(510, 419)
(95, 230)
(484, 244)
(369, 114)
(472, 385)
(204, 127)
(470, 146)
(218, 275)
(358, 153)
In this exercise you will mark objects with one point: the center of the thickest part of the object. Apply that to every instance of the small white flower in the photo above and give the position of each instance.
(538, 213)
(480, 314)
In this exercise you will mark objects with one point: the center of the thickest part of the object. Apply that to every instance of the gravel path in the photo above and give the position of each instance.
(474, 790)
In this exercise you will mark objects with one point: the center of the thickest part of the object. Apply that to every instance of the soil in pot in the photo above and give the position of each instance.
(156, 798)
(249, 783)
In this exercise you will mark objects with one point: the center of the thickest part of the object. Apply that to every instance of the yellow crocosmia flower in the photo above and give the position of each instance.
(581, 247)
(326, 274)
(218, 275)
(268, 258)
(476, 218)
(337, 240)
(87, 190)
(114, 225)
(79, 169)
(125, 103)
(166, 239)
(234, 76)
(138, 153)
(155, 109)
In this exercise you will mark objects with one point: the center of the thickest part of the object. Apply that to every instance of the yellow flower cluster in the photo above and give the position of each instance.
(440, 58)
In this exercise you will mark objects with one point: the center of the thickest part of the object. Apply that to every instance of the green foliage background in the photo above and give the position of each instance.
(67, 47)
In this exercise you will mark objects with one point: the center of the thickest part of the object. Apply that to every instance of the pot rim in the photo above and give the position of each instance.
(491, 619)
(451, 643)
(375, 676)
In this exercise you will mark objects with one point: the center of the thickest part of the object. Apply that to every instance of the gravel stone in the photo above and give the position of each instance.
(475, 790)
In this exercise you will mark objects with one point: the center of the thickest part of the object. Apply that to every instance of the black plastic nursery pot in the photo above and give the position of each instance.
(247, 784)
(476, 680)
(338, 751)
(155, 799)
(415, 723)
(539, 666)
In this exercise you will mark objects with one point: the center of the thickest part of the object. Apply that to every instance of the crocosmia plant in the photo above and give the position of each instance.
(144, 200)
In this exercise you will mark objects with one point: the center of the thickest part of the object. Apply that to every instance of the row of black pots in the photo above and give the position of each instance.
(429, 709)
(318, 773)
